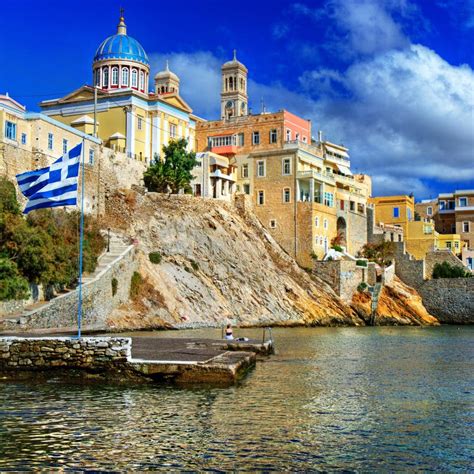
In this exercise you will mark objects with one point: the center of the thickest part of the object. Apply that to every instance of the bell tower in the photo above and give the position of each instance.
(234, 99)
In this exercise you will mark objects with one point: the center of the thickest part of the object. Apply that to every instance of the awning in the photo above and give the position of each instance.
(337, 151)
(344, 169)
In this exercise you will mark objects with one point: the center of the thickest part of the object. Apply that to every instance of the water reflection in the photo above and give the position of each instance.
(365, 399)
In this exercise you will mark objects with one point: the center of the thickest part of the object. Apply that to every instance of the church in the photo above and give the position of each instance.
(128, 116)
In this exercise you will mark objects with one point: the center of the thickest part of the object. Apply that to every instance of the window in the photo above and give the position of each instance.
(64, 146)
(23, 138)
(448, 244)
(10, 130)
(442, 205)
(305, 140)
(261, 198)
(427, 229)
(409, 214)
(325, 223)
(125, 76)
(172, 130)
(115, 76)
(297, 136)
(463, 202)
(245, 170)
(429, 211)
(247, 188)
(139, 124)
(396, 212)
(91, 156)
(273, 136)
(260, 169)
(97, 77)
(134, 78)
(240, 139)
(321, 240)
(341, 204)
(329, 199)
(273, 224)
(142, 81)
(456, 245)
(399, 237)
(256, 138)
(286, 167)
(286, 195)
(451, 205)
(288, 135)
(465, 226)
(352, 205)
(316, 221)
(105, 77)
(50, 141)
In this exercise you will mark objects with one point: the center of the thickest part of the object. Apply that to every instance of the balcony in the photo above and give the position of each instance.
(224, 150)
(319, 176)
(314, 150)
(338, 161)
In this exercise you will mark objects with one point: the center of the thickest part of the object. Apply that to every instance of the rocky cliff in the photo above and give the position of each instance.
(398, 305)
(217, 265)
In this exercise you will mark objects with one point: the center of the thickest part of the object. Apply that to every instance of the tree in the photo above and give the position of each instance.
(381, 253)
(174, 171)
(12, 285)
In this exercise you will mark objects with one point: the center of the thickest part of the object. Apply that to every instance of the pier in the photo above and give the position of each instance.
(139, 359)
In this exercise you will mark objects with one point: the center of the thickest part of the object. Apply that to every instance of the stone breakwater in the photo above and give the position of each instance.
(89, 353)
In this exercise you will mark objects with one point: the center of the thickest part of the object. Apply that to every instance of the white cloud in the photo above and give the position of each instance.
(406, 115)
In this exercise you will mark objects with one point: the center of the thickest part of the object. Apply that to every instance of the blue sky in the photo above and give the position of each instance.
(391, 79)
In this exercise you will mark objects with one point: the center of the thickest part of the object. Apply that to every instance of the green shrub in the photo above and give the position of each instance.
(361, 263)
(12, 285)
(155, 257)
(135, 285)
(114, 286)
(194, 265)
(337, 248)
(314, 256)
(446, 270)
(362, 287)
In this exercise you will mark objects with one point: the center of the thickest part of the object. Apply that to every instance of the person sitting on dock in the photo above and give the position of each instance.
(228, 332)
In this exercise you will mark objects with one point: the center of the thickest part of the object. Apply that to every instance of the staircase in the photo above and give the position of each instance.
(375, 290)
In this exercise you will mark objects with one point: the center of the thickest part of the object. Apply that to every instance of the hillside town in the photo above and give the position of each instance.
(296, 181)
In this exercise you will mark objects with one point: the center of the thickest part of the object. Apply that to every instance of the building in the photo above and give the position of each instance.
(214, 177)
(453, 216)
(302, 190)
(30, 141)
(420, 232)
(129, 118)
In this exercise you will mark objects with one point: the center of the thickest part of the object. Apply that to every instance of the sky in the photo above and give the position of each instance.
(392, 80)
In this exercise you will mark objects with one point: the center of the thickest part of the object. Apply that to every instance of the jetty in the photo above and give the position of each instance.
(137, 359)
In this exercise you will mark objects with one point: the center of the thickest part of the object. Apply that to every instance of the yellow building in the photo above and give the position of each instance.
(128, 117)
(420, 235)
(450, 241)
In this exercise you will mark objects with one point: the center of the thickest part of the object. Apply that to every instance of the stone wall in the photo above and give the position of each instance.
(356, 230)
(440, 256)
(98, 300)
(16, 306)
(451, 300)
(109, 171)
(343, 276)
(39, 353)
(409, 270)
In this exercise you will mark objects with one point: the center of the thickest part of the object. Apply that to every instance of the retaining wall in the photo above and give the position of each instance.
(91, 353)
(451, 300)
(98, 300)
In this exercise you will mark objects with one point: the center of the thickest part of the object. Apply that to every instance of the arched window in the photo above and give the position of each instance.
(97, 77)
(142, 81)
(105, 77)
(134, 78)
(226, 84)
(231, 86)
(115, 76)
(125, 76)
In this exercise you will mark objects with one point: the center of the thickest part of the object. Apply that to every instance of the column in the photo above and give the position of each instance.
(311, 189)
(130, 133)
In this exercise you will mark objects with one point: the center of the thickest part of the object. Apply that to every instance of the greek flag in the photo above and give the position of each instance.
(53, 186)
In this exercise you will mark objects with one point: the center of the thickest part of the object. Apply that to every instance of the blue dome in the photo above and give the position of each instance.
(121, 46)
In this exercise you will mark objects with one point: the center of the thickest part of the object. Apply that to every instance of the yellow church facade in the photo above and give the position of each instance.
(128, 117)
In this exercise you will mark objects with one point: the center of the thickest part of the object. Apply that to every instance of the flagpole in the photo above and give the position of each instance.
(81, 239)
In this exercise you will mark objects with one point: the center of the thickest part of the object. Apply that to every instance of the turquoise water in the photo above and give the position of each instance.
(368, 399)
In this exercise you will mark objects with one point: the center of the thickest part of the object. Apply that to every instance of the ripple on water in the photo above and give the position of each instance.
(363, 399)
